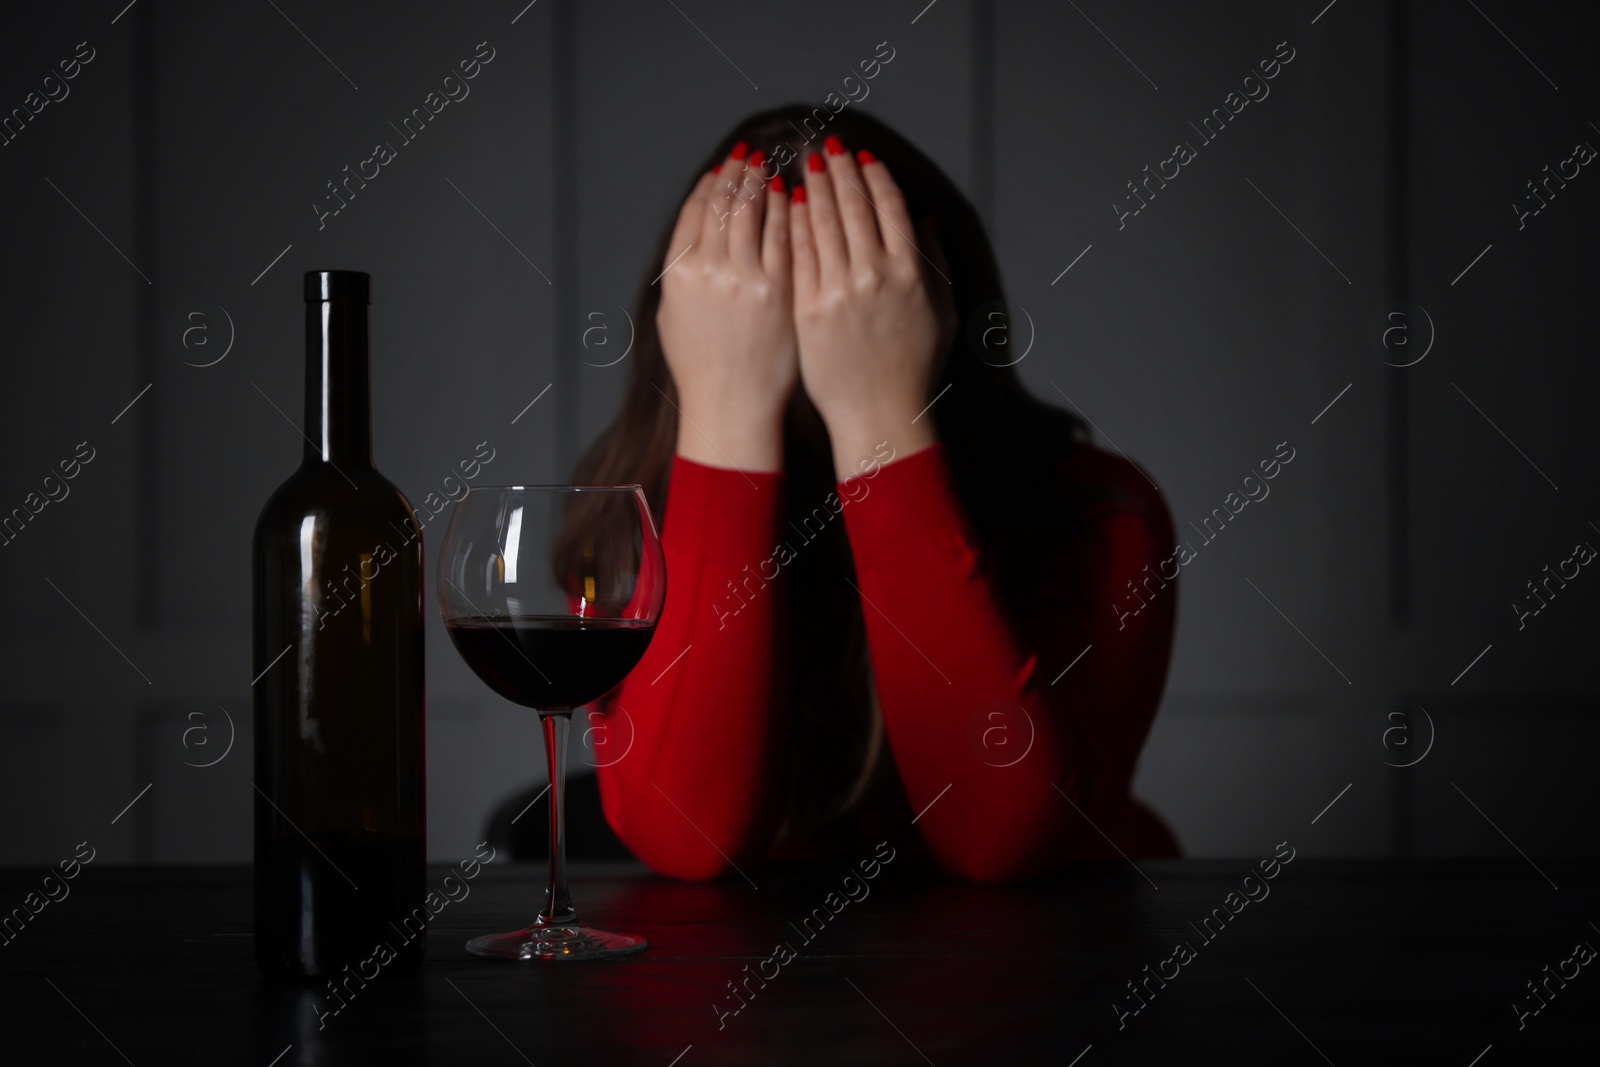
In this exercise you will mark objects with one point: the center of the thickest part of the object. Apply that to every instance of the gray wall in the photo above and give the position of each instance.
(1196, 338)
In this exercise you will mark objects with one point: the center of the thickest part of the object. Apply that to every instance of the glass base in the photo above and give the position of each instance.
(556, 941)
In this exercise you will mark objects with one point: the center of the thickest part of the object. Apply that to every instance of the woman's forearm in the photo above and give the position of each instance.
(1013, 761)
(696, 792)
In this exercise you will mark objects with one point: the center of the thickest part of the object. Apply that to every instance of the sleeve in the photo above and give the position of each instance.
(1016, 734)
(694, 787)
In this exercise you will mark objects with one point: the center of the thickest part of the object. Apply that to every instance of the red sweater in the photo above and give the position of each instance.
(1016, 750)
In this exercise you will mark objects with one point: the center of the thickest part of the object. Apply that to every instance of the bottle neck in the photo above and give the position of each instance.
(338, 398)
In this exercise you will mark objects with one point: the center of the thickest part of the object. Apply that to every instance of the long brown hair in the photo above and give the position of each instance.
(998, 441)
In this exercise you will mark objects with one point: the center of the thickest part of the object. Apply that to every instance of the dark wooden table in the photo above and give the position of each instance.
(1345, 962)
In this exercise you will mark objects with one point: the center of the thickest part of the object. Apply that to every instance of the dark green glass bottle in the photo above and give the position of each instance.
(339, 757)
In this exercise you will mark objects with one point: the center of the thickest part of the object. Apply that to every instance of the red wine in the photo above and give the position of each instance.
(551, 661)
(340, 822)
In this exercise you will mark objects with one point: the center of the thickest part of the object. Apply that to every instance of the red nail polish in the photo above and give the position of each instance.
(864, 157)
(799, 194)
(716, 168)
(833, 146)
(757, 158)
(815, 164)
(740, 150)
(777, 184)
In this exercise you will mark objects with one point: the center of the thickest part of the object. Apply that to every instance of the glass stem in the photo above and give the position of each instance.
(557, 904)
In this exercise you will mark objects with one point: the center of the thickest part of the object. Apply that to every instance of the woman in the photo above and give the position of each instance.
(892, 571)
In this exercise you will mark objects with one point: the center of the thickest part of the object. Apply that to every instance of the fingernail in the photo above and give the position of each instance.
(777, 184)
(756, 159)
(833, 146)
(864, 157)
(815, 164)
(740, 150)
(716, 168)
(799, 194)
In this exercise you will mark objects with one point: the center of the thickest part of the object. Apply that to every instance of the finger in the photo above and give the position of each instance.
(822, 211)
(803, 244)
(746, 210)
(899, 235)
(714, 221)
(855, 212)
(775, 258)
(687, 228)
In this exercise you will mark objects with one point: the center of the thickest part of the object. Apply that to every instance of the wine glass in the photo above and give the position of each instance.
(551, 594)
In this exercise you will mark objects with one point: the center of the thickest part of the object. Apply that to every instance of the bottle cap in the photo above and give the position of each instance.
(351, 286)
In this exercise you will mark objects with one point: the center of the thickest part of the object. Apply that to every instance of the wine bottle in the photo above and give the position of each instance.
(339, 802)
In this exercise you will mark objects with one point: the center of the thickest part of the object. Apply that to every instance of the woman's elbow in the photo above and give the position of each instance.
(993, 860)
(682, 861)
(687, 858)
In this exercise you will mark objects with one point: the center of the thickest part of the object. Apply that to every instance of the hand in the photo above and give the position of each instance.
(867, 329)
(726, 318)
